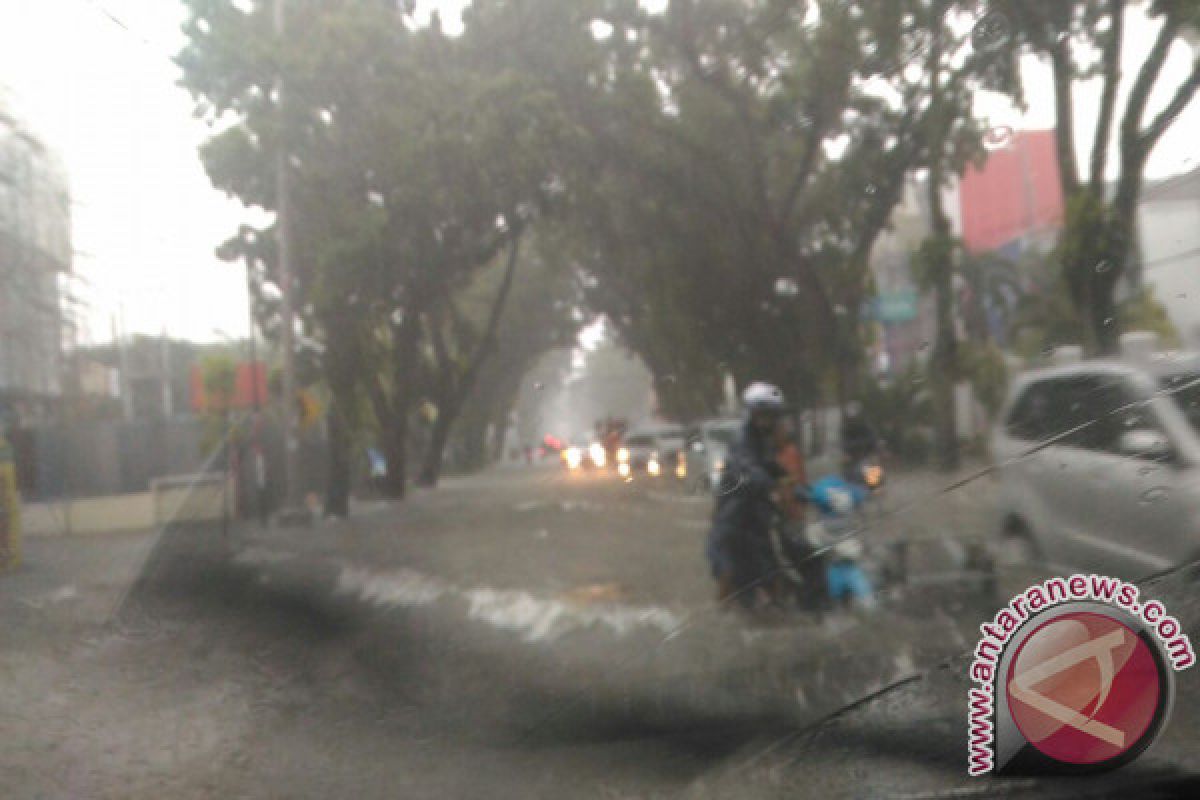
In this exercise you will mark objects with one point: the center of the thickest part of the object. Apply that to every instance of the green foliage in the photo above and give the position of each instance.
(218, 374)
(1142, 311)
(984, 367)
(902, 413)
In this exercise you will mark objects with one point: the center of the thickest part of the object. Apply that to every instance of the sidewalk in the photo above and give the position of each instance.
(65, 582)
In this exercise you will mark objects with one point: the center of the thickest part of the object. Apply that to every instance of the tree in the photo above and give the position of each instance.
(415, 162)
(736, 163)
(1082, 41)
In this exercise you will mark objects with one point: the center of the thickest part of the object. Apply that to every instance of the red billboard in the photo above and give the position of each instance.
(250, 388)
(1016, 192)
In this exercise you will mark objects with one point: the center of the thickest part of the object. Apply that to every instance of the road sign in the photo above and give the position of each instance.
(899, 306)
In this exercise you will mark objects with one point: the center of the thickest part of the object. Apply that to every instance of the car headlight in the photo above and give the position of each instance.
(596, 451)
(623, 469)
(653, 467)
(573, 457)
(718, 464)
(623, 455)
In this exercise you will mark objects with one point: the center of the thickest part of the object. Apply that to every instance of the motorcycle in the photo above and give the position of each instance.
(822, 559)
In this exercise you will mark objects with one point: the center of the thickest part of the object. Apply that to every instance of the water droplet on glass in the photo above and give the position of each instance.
(839, 309)
(1108, 321)
(870, 189)
(1155, 495)
(998, 137)
(1143, 471)
(539, 386)
(668, 379)
(991, 32)
(786, 287)
(918, 379)
(924, 346)
(1102, 267)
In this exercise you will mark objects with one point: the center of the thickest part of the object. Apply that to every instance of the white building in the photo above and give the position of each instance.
(1169, 239)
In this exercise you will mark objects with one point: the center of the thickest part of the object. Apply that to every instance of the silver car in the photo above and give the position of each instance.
(708, 447)
(1100, 466)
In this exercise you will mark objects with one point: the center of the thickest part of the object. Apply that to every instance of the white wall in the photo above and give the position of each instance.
(1170, 243)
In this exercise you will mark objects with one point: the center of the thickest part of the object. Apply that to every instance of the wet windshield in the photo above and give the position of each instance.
(1184, 389)
(591, 398)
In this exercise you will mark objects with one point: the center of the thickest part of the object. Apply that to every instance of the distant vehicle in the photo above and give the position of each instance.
(1100, 466)
(708, 447)
(581, 453)
(652, 451)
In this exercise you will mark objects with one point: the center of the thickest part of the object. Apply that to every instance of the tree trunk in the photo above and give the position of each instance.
(473, 435)
(395, 452)
(337, 489)
(499, 433)
(943, 363)
(431, 468)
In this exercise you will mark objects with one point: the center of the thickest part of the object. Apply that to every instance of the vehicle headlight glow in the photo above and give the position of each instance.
(573, 457)
(623, 469)
(623, 455)
(873, 476)
(681, 469)
(596, 451)
(653, 467)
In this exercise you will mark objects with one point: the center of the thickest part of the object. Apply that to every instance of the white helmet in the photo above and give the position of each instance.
(760, 396)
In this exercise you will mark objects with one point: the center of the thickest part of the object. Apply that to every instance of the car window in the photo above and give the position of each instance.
(1086, 411)
(1031, 417)
(1098, 409)
(639, 441)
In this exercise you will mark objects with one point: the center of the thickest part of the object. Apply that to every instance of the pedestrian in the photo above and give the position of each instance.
(738, 545)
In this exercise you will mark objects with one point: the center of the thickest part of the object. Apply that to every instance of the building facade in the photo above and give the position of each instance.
(35, 252)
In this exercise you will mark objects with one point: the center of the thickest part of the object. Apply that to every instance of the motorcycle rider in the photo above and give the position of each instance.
(738, 548)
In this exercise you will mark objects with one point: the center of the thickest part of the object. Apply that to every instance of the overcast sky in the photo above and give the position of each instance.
(146, 219)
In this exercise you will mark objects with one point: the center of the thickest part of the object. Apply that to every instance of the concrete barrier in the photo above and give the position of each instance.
(176, 498)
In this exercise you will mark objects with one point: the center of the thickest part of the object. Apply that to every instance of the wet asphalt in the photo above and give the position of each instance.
(516, 634)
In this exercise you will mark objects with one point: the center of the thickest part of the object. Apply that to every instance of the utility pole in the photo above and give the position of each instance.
(290, 444)
(258, 460)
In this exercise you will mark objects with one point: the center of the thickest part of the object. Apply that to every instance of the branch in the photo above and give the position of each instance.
(1111, 61)
(488, 339)
(1064, 118)
(803, 173)
(1131, 136)
(1164, 118)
